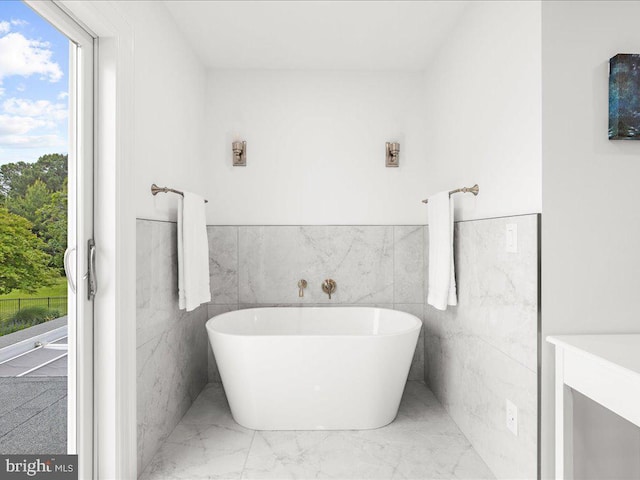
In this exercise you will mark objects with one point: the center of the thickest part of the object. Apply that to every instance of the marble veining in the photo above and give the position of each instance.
(423, 443)
(498, 295)
(156, 284)
(171, 345)
(273, 259)
(408, 278)
(484, 351)
(223, 264)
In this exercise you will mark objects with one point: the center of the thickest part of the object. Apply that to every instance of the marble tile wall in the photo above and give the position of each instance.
(171, 349)
(254, 266)
(473, 356)
(484, 351)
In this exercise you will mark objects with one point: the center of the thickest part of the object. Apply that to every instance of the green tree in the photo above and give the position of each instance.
(23, 263)
(27, 206)
(15, 178)
(51, 225)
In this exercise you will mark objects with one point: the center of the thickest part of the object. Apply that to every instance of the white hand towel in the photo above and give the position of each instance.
(442, 279)
(193, 253)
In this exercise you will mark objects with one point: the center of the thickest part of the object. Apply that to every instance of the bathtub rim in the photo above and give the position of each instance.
(418, 326)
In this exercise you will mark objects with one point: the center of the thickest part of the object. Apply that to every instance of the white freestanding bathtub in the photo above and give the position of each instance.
(334, 368)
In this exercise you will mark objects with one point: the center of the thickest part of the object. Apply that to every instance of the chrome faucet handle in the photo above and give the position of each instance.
(302, 284)
(329, 286)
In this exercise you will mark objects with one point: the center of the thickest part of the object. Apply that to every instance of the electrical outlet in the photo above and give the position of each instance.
(512, 417)
(512, 238)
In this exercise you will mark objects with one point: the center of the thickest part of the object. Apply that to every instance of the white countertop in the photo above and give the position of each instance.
(605, 368)
(620, 350)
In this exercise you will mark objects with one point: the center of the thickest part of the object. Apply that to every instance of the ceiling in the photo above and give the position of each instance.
(327, 35)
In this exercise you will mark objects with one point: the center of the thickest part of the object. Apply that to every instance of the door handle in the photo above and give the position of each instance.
(92, 277)
(67, 269)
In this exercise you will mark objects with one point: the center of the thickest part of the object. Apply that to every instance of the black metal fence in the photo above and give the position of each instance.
(10, 306)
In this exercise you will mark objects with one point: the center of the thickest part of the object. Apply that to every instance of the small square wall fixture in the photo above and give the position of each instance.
(239, 154)
(624, 97)
(393, 154)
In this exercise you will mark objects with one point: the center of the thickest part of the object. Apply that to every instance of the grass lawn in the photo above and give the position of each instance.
(32, 308)
(58, 289)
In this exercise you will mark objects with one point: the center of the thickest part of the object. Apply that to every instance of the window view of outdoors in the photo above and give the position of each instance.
(33, 168)
(34, 79)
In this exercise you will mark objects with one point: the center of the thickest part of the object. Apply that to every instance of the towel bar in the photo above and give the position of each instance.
(155, 189)
(475, 189)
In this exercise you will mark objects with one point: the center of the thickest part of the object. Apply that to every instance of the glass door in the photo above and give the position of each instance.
(81, 249)
(47, 208)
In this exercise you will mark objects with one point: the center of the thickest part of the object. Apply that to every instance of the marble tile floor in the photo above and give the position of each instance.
(422, 443)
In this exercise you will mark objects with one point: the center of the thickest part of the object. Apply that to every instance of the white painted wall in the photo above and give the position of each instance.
(606, 446)
(315, 148)
(169, 85)
(591, 212)
(316, 138)
(483, 111)
(365, 35)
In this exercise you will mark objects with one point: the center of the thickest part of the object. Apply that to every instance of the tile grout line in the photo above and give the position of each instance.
(237, 268)
(423, 296)
(499, 350)
(246, 459)
(422, 269)
(393, 266)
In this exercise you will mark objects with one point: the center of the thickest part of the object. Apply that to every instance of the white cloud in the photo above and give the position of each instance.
(31, 141)
(44, 110)
(5, 26)
(28, 123)
(19, 125)
(22, 56)
(63, 95)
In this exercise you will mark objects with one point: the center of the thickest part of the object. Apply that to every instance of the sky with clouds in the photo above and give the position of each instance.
(34, 85)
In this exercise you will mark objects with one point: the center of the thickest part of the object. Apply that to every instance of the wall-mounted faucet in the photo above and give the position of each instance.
(302, 284)
(329, 286)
